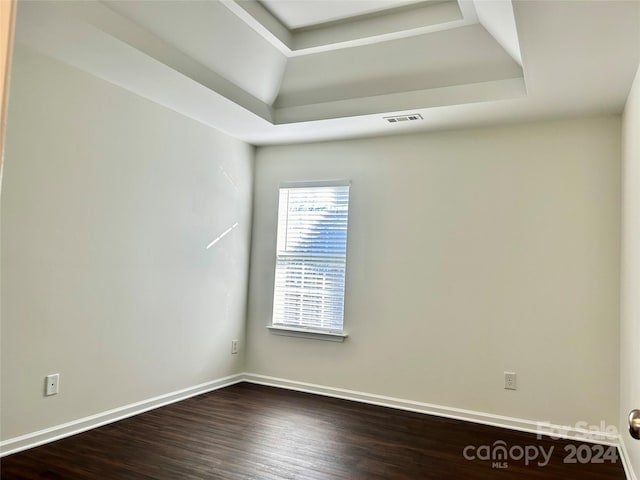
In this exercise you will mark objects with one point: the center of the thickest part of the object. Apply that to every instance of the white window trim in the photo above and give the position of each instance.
(308, 333)
(302, 332)
(319, 183)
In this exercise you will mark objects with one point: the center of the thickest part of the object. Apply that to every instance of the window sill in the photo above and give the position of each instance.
(307, 333)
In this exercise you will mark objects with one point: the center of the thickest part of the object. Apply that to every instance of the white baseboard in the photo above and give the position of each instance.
(529, 426)
(51, 434)
(626, 463)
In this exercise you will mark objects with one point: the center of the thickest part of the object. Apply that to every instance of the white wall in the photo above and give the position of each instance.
(630, 274)
(470, 253)
(108, 203)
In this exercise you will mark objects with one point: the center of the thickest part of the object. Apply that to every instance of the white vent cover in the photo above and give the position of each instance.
(403, 118)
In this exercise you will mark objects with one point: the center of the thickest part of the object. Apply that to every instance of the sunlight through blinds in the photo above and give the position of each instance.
(311, 257)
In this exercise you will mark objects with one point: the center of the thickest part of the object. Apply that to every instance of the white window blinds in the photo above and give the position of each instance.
(311, 257)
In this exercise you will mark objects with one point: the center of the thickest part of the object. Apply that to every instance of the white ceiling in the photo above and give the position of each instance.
(234, 66)
(305, 13)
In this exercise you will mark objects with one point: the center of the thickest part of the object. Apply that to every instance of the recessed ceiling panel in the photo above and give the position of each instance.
(393, 23)
(306, 13)
(458, 56)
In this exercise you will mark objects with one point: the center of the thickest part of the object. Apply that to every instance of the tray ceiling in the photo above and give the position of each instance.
(272, 71)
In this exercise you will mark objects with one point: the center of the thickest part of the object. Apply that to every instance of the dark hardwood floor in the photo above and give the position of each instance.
(253, 432)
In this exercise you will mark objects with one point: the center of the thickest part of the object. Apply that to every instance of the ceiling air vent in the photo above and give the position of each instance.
(403, 118)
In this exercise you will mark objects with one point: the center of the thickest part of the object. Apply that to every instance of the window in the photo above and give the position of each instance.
(311, 258)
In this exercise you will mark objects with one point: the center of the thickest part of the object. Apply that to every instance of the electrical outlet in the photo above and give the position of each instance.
(509, 381)
(52, 382)
(234, 346)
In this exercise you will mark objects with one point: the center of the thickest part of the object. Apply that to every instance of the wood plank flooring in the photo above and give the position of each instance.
(254, 432)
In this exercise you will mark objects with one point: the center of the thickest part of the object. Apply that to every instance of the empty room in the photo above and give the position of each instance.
(320, 239)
